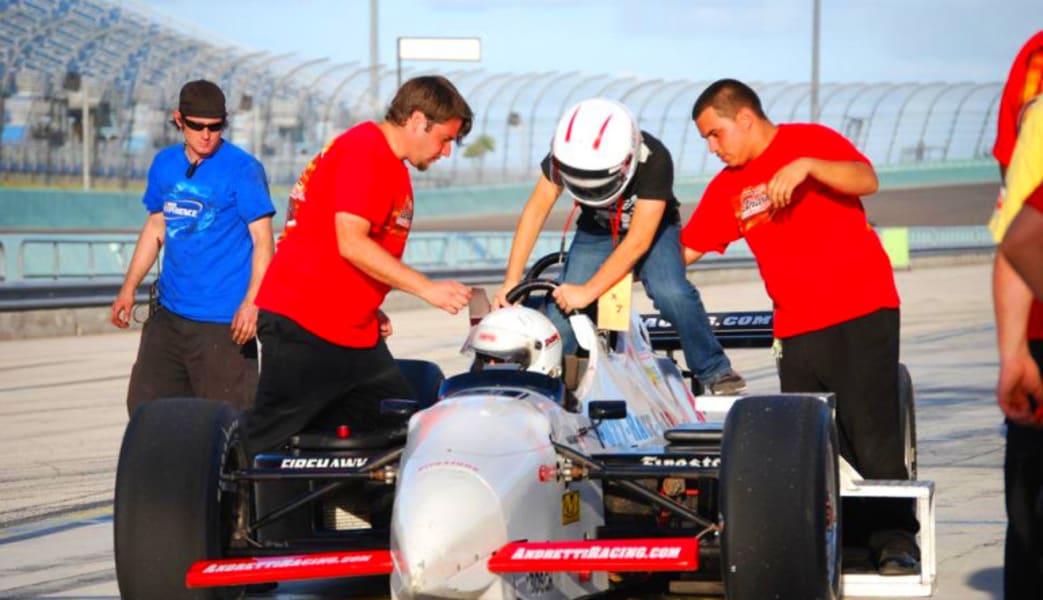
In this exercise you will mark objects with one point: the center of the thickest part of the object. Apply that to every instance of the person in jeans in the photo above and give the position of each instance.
(622, 179)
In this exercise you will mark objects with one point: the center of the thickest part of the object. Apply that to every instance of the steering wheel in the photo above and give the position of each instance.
(545, 262)
(523, 290)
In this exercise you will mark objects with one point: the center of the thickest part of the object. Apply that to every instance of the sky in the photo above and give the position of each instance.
(753, 40)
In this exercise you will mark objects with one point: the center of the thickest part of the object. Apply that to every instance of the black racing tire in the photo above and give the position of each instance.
(907, 422)
(780, 500)
(170, 509)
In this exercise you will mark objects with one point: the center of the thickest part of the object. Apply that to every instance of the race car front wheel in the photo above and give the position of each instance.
(780, 500)
(170, 507)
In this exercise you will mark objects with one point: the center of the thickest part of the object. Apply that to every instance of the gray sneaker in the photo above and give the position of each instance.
(728, 383)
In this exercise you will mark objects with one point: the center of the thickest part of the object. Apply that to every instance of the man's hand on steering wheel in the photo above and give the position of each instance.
(500, 298)
(515, 291)
(570, 297)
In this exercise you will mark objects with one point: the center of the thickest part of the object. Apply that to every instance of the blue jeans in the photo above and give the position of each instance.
(662, 271)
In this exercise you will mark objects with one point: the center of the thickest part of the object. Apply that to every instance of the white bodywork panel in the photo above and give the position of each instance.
(488, 446)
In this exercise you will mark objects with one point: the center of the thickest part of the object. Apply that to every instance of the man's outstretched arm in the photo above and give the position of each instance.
(533, 216)
(371, 258)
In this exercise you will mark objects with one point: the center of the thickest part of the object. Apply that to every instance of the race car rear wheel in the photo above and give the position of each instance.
(170, 506)
(780, 500)
(907, 416)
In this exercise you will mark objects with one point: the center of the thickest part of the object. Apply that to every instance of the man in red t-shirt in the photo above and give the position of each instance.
(792, 191)
(320, 324)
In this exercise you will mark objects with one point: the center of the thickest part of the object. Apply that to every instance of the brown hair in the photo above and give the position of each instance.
(727, 96)
(436, 98)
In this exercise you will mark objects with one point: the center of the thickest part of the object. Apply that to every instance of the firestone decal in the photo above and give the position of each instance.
(696, 462)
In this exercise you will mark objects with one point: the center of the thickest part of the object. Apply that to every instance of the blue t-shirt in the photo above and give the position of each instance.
(208, 252)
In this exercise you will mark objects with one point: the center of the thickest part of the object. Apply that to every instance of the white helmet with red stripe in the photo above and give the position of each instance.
(516, 335)
(595, 151)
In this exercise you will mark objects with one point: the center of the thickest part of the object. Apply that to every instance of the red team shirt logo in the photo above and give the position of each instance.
(752, 207)
(401, 218)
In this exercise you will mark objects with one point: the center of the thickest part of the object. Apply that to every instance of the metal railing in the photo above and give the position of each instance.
(55, 270)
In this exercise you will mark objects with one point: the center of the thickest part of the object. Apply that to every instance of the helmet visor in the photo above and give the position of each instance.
(522, 358)
(498, 347)
(593, 188)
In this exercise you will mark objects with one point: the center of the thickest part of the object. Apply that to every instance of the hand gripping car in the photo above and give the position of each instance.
(512, 481)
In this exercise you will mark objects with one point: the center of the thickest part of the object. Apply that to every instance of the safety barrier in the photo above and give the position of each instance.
(51, 270)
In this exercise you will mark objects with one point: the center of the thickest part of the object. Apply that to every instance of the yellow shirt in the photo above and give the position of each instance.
(1025, 173)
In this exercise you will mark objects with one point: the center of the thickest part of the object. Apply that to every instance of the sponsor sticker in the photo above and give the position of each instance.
(324, 463)
(753, 201)
(263, 564)
(694, 462)
(570, 507)
(595, 552)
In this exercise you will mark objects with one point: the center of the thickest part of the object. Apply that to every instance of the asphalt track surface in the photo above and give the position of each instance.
(63, 414)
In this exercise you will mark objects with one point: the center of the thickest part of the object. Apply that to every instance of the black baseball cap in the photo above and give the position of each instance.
(202, 98)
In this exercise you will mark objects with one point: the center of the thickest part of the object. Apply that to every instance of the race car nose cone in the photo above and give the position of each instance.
(441, 542)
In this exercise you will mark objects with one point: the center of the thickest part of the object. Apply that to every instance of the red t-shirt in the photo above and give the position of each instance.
(308, 280)
(1024, 82)
(821, 262)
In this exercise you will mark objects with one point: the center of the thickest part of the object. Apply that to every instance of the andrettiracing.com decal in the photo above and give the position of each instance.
(599, 553)
(283, 563)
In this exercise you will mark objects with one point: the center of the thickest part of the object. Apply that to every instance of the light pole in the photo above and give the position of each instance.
(85, 123)
(815, 9)
(374, 57)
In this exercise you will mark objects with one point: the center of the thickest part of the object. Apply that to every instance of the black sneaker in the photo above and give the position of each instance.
(727, 383)
(898, 563)
(900, 556)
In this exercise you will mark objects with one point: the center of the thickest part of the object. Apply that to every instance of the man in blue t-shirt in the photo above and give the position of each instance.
(209, 206)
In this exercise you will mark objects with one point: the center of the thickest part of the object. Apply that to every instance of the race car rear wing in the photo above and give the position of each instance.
(745, 329)
(251, 570)
(616, 555)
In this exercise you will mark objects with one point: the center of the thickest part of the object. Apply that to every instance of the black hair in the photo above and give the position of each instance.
(727, 96)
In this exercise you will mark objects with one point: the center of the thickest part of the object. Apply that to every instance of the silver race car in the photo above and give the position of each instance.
(603, 473)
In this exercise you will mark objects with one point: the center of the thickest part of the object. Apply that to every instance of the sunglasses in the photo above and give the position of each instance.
(197, 126)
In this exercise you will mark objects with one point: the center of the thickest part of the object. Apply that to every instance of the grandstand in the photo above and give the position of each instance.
(126, 63)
